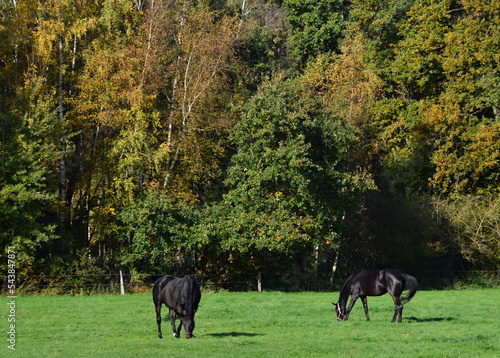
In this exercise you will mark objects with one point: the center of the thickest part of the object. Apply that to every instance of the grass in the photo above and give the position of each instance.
(267, 324)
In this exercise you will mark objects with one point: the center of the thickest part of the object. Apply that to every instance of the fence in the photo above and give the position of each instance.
(115, 283)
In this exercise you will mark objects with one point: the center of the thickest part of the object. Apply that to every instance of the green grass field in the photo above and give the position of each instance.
(268, 324)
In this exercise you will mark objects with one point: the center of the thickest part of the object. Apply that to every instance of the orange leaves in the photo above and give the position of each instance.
(468, 158)
(348, 85)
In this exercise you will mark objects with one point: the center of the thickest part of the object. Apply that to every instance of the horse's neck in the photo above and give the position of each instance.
(344, 295)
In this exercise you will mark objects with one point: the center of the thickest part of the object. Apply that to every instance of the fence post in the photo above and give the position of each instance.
(122, 287)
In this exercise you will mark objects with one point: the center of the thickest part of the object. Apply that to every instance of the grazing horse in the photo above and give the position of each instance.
(364, 283)
(181, 296)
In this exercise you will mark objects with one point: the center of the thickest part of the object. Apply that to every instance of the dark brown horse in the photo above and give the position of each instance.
(364, 283)
(181, 296)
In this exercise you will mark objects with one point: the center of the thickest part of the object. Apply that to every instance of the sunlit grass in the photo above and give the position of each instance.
(267, 324)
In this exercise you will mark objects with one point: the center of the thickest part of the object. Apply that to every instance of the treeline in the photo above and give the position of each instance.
(235, 137)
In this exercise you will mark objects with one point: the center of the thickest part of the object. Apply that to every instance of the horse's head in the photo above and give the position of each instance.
(341, 315)
(189, 324)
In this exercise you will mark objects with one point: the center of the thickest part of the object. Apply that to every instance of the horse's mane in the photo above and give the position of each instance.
(345, 291)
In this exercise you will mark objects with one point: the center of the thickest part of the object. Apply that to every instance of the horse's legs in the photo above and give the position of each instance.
(365, 306)
(398, 310)
(172, 321)
(396, 289)
(178, 334)
(158, 319)
(351, 304)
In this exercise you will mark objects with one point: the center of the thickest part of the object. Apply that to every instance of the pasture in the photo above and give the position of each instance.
(267, 324)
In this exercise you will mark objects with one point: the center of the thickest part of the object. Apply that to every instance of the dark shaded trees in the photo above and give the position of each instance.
(289, 183)
(218, 137)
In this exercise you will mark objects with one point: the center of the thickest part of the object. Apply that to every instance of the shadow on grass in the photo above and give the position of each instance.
(437, 319)
(234, 334)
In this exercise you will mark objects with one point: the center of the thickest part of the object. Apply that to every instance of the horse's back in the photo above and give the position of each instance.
(381, 274)
(159, 286)
(394, 273)
(375, 282)
(365, 276)
(178, 294)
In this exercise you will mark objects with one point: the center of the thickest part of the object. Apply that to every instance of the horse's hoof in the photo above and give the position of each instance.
(160, 336)
(176, 335)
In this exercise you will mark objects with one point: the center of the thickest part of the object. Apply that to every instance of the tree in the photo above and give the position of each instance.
(350, 88)
(474, 225)
(29, 152)
(465, 116)
(261, 45)
(289, 184)
(157, 235)
(379, 22)
(316, 26)
(154, 114)
(200, 45)
(418, 68)
(37, 61)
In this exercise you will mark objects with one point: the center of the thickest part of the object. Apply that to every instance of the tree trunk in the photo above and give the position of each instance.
(334, 267)
(62, 161)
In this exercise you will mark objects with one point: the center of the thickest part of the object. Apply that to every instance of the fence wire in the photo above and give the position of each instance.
(110, 283)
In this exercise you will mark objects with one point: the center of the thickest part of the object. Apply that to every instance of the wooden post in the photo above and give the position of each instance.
(259, 282)
(122, 287)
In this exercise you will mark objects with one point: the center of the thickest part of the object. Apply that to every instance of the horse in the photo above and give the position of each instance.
(364, 283)
(181, 296)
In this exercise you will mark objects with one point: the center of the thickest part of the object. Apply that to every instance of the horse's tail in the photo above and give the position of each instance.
(157, 291)
(411, 284)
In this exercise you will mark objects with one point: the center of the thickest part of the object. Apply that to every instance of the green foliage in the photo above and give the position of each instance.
(418, 67)
(118, 142)
(316, 26)
(289, 182)
(466, 114)
(28, 201)
(474, 224)
(379, 21)
(261, 49)
(156, 234)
